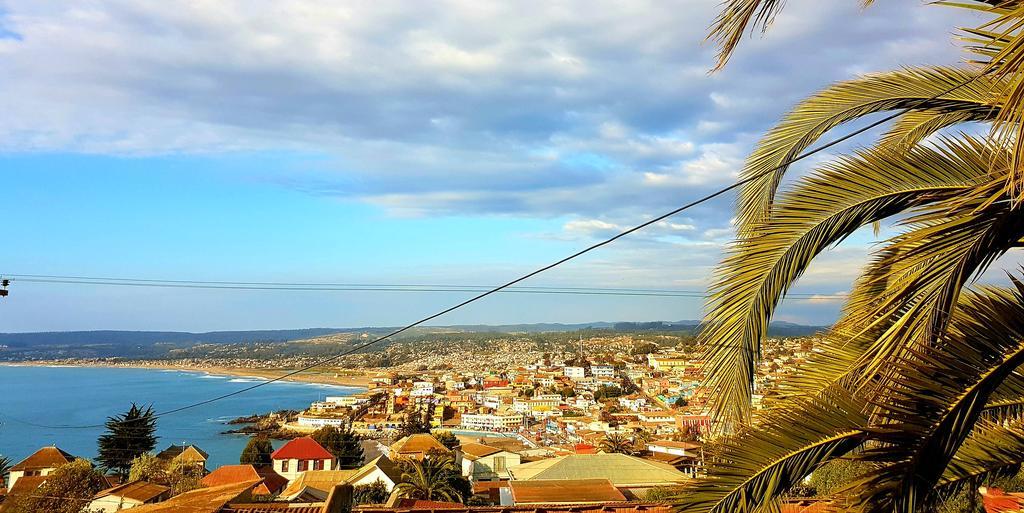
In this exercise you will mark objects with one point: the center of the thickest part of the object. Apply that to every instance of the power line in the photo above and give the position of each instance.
(588, 249)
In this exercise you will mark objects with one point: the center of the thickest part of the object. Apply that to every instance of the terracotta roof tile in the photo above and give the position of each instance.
(203, 500)
(565, 491)
(47, 457)
(142, 491)
(304, 448)
(418, 444)
(474, 451)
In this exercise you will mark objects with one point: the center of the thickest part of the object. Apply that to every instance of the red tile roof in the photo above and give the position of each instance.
(141, 491)
(228, 474)
(304, 448)
(996, 500)
(604, 507)
(565, 491)
(47, 457)
(422, 504)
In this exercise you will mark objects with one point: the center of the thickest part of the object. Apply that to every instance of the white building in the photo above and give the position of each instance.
(300, 455)
(485, 463)
(574, 372)
(317, 422)
(506, 421)
(602, 371)
(40, 463)
(346, 400)
(422, 389)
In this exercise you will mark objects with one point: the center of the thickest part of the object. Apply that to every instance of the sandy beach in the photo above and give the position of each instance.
(312, 376)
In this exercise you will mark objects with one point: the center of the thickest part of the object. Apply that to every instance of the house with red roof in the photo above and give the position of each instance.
(300, 455)
(39, 463)
(272, 482)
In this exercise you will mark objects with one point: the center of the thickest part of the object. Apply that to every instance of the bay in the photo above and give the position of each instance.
(58, 396)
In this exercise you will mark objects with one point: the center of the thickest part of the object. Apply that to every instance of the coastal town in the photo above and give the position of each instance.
(618, 419)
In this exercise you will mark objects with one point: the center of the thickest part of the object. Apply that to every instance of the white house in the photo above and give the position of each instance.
(346, 400)
(485, 463)
(40, 463)
(319, 421)
(501, 421)
(128, 495)
(300, 455)
(574, 372)
(602, 371)
(422, 389)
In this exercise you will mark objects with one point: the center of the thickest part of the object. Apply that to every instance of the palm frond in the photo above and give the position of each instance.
(914, 126)
(991, 449)
(934, 396)
(749, 471)
(820, 211)
(733, 20)
(841, 103)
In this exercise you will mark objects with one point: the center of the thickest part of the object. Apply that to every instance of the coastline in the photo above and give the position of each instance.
(314, 378)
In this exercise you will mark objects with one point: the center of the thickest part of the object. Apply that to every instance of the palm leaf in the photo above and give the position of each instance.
(821, 211)
(914, 126)
(935, 395)
(841, 103)
(750, 471)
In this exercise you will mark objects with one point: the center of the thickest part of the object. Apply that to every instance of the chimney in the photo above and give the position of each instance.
(339, 500)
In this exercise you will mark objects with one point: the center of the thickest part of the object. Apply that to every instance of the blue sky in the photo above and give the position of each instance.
(450, 142)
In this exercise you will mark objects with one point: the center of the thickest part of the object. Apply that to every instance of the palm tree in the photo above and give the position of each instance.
(434, 478)
(921, 376)
(5, 467)
(619, 444)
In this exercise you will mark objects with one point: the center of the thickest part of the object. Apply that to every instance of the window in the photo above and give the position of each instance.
(302, 465)
(499, 463)
(318, 465)
(284, 465)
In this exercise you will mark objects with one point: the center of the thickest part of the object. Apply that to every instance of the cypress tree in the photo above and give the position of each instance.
(128, 436)
(343, 443)
(257, 452)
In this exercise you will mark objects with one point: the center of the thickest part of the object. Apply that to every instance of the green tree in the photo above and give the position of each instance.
(343, 443)
(448, 440)
(373, 493)
(680, 402)
(68, 489)
(257, 452)
(436, 478)
(414, 424)
(661, 494)
(614, 443)
(128, 436)
(607, 392)
(183, 476)
(147, 467)
(5, 467)
(919, 377)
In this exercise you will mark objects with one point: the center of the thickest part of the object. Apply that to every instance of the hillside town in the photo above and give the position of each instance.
(626, 424)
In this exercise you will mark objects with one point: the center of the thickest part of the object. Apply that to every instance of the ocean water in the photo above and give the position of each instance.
(57, 396)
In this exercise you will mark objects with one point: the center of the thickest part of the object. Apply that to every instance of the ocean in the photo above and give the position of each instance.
(88, 395)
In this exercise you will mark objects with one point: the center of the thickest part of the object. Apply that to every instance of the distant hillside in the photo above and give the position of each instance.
(145, 338)
(149, 338)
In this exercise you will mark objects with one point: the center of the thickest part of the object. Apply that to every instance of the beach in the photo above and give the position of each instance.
(318, 377)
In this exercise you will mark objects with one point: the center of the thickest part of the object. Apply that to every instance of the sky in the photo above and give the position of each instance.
(459, 142)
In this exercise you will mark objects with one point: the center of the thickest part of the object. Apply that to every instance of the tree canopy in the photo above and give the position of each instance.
(127, 436)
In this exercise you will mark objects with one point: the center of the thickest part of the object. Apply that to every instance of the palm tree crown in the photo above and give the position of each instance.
(921, 376)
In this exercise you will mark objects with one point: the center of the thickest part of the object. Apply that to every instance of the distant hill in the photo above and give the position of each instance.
(144, 338)
(149, 338)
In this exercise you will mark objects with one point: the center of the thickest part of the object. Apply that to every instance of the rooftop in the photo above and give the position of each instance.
(47, 457)
(304, 448)
(620, 469)
(573, 491)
